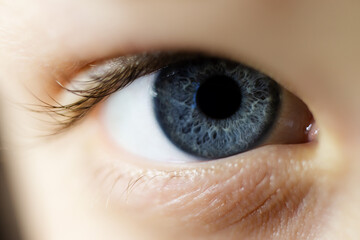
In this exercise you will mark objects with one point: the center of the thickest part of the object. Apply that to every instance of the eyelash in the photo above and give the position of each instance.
(98, 86)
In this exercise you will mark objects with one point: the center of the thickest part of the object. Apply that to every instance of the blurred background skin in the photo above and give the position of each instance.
(8, 222)
(311, 47)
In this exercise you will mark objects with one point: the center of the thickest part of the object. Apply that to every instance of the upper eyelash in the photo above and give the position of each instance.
(101, 83)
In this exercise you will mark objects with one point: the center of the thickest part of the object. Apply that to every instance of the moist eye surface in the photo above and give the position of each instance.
(213, 108)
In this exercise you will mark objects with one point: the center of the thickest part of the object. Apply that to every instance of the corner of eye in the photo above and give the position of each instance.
(329, 159)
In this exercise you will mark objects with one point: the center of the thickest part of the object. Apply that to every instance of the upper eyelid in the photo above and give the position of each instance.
(118, 72)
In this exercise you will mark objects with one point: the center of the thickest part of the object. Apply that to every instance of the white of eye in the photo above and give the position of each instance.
(131, 123)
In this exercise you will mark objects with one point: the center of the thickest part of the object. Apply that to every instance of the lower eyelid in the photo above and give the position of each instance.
(241, 190)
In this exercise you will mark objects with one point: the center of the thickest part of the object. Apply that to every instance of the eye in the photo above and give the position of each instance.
(203, 109)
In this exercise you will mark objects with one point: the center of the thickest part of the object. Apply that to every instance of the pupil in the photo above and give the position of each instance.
(219, 97)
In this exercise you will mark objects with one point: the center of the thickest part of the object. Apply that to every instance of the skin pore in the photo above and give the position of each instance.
(78, 185)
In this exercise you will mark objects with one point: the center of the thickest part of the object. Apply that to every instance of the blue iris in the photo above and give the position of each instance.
(213, 108)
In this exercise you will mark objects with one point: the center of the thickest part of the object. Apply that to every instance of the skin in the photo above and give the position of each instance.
(68, 191)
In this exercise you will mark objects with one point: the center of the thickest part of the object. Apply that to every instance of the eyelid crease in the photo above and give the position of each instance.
(101, 80)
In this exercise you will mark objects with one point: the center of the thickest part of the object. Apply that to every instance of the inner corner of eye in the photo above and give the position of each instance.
(208, 108)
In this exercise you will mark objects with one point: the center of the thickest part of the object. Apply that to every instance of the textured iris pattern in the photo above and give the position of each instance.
(189, 128)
